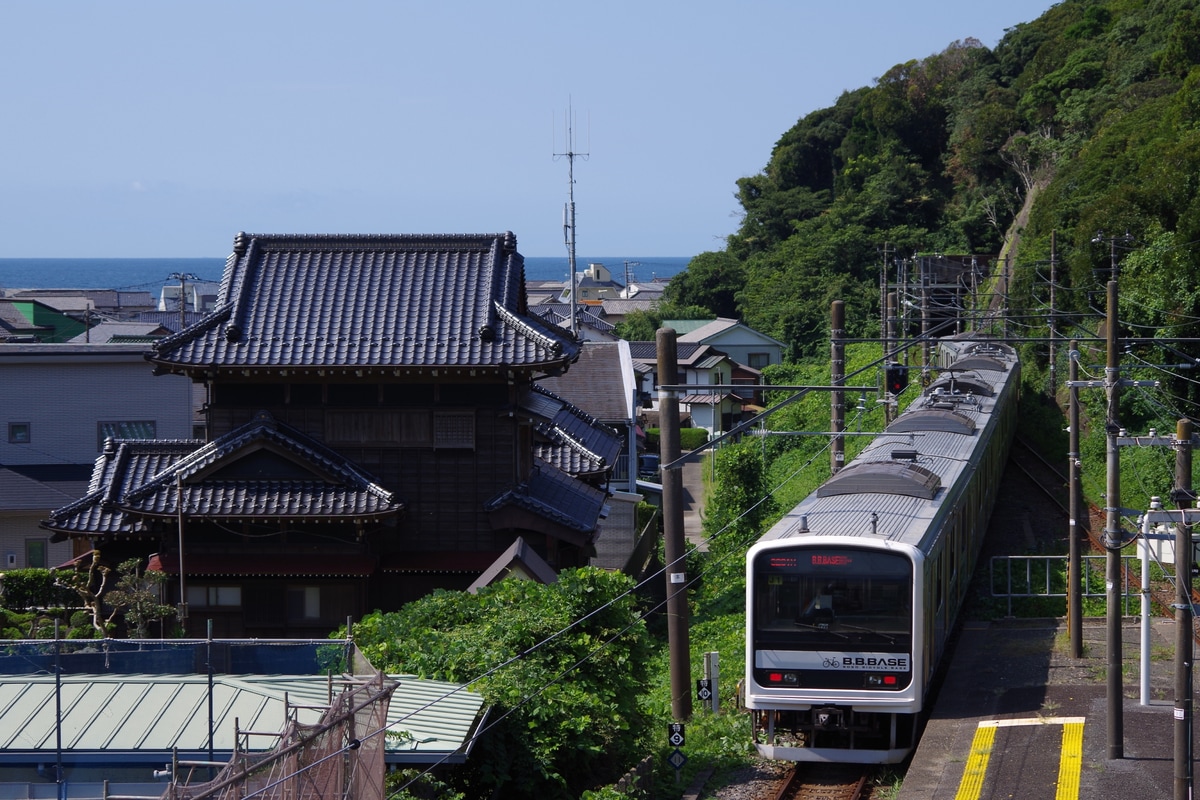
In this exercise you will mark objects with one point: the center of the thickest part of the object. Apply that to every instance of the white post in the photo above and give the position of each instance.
(1144, 547)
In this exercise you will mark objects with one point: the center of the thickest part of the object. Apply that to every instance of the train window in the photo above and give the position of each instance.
(812, 594)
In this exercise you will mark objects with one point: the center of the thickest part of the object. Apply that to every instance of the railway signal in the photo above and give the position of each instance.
(895, 378)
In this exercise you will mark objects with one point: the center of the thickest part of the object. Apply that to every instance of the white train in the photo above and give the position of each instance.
(851, 596)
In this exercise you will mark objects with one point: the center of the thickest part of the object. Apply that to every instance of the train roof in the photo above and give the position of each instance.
(900, 482)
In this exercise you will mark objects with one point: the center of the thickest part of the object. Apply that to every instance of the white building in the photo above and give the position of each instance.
(58, 403)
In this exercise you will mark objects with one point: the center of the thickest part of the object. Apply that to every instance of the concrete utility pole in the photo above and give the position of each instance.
(678, 635)
(183, 278)
(837, 398)
(1053, 313)
(1184, 648)
(889, 412)
(1112, 536)
(1074, 580)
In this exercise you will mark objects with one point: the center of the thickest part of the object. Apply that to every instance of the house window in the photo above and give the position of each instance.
(35, 553)
(758, 360)
(454, 429)
(201, 596)
(18, 433)
(142, 429)
(303, 603)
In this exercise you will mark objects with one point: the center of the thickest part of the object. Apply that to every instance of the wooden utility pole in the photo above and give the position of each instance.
(678, 635)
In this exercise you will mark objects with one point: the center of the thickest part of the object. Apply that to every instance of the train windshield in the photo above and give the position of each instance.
(833, 595)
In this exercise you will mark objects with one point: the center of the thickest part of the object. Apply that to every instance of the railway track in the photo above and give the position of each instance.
(1048, 478)
(1054, 484)
(822, 782)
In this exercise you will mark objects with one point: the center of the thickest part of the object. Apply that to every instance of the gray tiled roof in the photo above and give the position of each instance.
(371, 302)
(587, 315)
(575, 441)
(301, 478)
(553, 494)
(648, 351)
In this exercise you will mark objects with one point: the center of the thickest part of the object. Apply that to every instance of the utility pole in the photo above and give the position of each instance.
(837, 398)
(183, 278)
(1053, 319)
(678, 635)
(1184, 498)
(1074, 580)
(1112, 536)
(889, 411)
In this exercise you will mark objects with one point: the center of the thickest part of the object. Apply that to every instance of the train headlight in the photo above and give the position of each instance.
(786, 678)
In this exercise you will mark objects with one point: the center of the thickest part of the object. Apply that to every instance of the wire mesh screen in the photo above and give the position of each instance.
(342, 756)
(178, 656)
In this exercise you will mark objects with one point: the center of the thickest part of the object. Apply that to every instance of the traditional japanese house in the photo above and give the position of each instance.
(373, 433)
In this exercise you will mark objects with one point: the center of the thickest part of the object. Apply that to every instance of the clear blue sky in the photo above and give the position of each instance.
(161, 129)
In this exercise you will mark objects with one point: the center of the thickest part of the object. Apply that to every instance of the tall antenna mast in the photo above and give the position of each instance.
(569, 212)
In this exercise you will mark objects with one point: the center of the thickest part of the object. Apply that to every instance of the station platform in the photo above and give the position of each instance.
(1018, 717)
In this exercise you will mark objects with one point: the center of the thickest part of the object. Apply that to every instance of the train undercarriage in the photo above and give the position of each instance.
(834, 734)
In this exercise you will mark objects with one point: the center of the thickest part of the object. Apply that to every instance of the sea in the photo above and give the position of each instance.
(151, 274)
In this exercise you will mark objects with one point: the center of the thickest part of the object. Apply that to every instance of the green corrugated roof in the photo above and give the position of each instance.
(138, 718)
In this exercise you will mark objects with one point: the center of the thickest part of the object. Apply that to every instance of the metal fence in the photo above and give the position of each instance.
(1045, 576)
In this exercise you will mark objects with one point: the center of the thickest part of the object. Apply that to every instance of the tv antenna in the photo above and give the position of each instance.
(569, 209)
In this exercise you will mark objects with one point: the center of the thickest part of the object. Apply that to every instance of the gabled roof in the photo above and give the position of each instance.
(553, 495)
(116, 331)
(519, 561)
(264, 469)
(600, 383)
(370, 302)
(689, 331)
(685, 352)
(591, 316)
(575, 442)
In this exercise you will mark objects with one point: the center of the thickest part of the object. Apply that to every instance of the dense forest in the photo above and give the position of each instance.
(1076, 139)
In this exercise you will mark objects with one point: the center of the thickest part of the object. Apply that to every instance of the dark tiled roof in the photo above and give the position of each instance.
(520, 559)
(263, 469)
(560, 314)
(371, 302)
(648, 351)
(169, 319)
(597, 382)
(575, 442)
(554, 495)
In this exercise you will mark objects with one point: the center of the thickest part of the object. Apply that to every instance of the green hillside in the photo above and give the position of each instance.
(1086, 118)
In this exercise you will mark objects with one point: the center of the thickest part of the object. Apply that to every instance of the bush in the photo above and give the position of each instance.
(33, 588)
(691, 438)
(566, 706)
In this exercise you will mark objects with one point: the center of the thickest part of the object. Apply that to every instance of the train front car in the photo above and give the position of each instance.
(851, 596)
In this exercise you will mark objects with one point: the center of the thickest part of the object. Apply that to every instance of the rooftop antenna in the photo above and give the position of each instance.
(569, 210)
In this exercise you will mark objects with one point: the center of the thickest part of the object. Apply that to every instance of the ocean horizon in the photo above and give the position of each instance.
(151, 274)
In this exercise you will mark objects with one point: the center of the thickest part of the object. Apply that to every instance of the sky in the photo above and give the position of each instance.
(162, 129)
